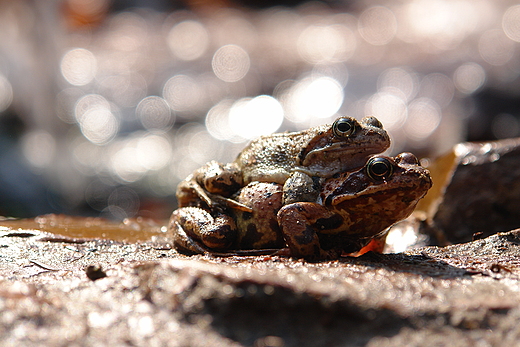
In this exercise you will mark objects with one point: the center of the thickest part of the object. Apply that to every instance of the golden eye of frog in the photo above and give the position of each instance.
(317, 152)
(352, 209)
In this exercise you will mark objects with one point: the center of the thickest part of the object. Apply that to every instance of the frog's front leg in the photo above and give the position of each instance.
(196, 231)
(301, 187)
(298, 222)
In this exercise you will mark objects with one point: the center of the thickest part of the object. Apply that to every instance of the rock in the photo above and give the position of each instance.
(476, 189)
(456, 295)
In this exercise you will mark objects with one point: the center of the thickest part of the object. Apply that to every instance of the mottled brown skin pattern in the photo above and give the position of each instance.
(221, 180)
(194, 230)
(259, 229)
(318, 152)
(352, 209)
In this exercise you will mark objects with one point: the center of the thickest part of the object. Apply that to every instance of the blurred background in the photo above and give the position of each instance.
(105, 105)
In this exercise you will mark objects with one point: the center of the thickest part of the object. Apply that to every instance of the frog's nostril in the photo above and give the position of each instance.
(373, 121)
(407, 158)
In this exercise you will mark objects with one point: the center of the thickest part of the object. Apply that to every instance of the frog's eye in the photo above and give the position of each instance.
(379, 168)
(344, 127)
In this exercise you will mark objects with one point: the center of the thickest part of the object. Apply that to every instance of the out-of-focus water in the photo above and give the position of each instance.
(104, 111)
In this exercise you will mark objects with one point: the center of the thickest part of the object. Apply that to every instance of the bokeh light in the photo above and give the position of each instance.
(123, 163)
(188, 40)
(39, 148)
(377, 25)
(438, 87)
(79, 66)
(96, 120)
(217, 122)
(313, 97)
(123, 202)
(250, 118)
(230, 63)
(495, 47)
(399, 82)
(6, 93)
(424, 116)
(441, 24)
(511, 23)
(153, 152)
(155, 114)
(88, 157)
(388, 108)
(182, 93)
(125, 89)
(138, 98)
(469, 77)
(333, 43)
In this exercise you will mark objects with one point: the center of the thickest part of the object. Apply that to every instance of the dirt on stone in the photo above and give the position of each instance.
(56, 292)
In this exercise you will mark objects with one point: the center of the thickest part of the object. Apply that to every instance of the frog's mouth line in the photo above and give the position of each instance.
(344, 147)
(346, 152)
(384, 188)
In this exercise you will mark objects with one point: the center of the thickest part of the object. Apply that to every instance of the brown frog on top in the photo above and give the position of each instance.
(320, 151)
(353, 208)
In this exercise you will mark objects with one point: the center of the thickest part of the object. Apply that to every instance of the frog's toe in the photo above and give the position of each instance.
(182, 242)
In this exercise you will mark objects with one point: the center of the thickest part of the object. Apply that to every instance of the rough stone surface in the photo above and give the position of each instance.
(53, 293)
(481, 192)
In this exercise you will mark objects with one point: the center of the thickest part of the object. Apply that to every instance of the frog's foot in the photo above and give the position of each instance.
(296, 221)
(377, 245)
(182, 242)
(196, 231)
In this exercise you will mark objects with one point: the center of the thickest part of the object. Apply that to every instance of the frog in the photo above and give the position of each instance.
(304, 156)
(352, 212)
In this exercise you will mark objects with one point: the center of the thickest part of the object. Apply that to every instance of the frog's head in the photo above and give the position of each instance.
(383, 192)
(343, 145)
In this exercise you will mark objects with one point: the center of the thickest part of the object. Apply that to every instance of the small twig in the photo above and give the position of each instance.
(45, 266)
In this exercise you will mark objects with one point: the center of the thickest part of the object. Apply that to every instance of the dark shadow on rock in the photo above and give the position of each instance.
(299, 319)
(419, 264)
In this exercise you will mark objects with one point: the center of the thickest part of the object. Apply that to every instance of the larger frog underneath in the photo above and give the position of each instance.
(352, 209)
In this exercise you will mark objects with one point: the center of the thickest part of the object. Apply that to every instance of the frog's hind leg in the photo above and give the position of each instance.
(297, 222)
(196, 231)
(191, 193)
(182, 242)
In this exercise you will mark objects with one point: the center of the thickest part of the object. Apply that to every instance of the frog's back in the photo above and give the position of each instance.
(272, 158)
